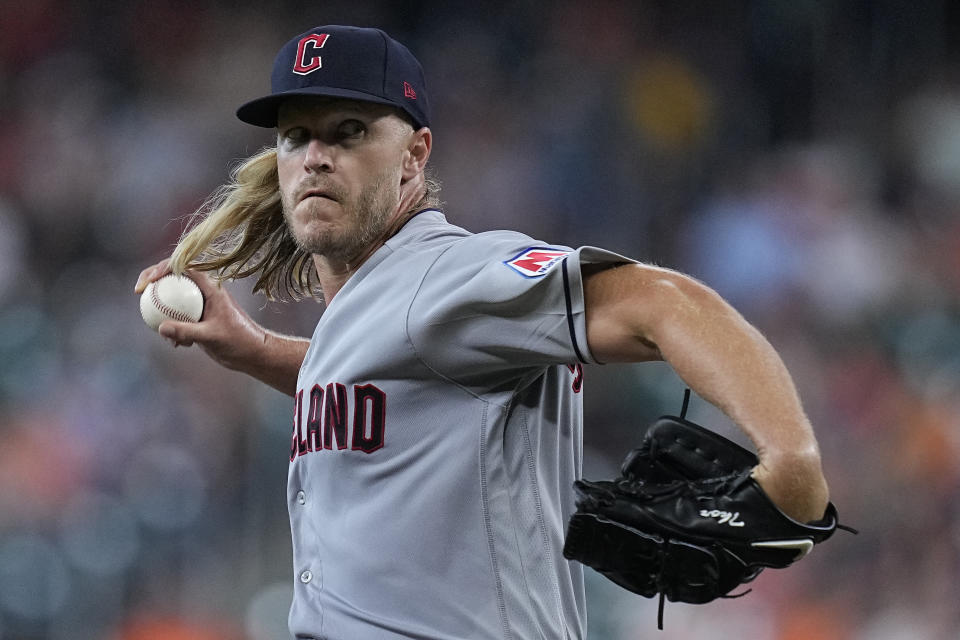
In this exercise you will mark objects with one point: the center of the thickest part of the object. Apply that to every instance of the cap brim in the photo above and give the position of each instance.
(262, 112)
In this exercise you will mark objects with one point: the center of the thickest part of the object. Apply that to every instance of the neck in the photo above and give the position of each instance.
(333, 273)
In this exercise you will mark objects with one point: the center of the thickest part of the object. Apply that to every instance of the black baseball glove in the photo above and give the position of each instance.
(685, 520)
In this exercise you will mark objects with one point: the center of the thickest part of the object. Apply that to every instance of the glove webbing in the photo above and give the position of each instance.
(664, 558)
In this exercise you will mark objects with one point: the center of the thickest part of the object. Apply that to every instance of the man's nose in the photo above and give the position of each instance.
(318, 157)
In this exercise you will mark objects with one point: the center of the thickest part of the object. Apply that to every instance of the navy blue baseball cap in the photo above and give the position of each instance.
(344, 62)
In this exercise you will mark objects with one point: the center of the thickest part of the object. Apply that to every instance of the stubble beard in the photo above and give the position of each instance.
(368, 220)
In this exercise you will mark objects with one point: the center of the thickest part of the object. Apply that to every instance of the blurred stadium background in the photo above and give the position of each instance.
(801, 157)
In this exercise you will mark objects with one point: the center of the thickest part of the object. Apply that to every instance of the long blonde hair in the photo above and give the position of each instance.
(240, 231)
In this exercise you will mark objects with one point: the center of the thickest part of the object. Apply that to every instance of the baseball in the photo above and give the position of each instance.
(172, 297)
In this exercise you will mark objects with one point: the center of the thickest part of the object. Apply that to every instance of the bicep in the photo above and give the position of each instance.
(625, 306)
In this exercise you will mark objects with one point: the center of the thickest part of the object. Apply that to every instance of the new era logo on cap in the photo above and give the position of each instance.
(355, 63)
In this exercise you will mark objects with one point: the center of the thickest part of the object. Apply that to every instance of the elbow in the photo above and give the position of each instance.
(680, 289)
(677, 311)
(635, 311)
(672, 296)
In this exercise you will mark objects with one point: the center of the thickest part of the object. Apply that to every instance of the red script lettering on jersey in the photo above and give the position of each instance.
(302, 65)
(534, 262)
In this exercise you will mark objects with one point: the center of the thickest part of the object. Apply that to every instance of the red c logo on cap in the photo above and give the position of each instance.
(303, 66)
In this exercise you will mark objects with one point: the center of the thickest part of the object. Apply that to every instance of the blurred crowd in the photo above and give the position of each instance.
(802, 159)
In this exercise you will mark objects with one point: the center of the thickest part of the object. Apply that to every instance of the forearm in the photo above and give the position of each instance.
(732, 366)
(277, 362)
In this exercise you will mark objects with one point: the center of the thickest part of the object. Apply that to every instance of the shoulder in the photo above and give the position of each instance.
(425, 230)
(502, 254)
(429, 234)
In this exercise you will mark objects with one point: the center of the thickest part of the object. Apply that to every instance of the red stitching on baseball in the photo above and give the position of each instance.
(170, 312)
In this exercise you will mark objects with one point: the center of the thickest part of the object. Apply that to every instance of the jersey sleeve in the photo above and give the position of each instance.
(501, 302)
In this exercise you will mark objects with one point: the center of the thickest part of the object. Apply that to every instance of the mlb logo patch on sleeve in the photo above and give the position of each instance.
(536, 261)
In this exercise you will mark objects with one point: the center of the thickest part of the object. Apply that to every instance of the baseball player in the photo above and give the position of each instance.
(437, 407)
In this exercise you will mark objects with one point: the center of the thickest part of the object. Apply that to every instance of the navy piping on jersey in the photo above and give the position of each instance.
(566, 295)
(414, 216)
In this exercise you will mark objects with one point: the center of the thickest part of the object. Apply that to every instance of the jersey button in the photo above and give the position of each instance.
(301, 497)
(306, 576)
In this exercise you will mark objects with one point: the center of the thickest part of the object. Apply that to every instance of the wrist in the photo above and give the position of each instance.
(257, 352)
(798, 459)
(794, 481)
(250, 345)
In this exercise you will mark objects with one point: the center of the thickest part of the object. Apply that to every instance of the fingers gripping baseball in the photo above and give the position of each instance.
(225, 332)
(181, 334)
(151, 274)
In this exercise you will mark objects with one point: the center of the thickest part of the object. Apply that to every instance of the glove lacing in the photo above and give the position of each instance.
(663, 557)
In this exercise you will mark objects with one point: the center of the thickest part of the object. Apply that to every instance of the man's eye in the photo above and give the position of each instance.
(351, 129)
(295, 135)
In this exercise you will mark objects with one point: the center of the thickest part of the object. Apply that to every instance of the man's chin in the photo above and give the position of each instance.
(319, 243)
(317, 209)
(328, 243)
(338, 237)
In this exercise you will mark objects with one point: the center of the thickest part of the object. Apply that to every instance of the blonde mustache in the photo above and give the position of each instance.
(332, 191)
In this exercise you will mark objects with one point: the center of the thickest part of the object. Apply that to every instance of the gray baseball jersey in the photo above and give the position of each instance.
(436, 438)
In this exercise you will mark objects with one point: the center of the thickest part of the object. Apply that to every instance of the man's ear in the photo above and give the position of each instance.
(417, 152)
